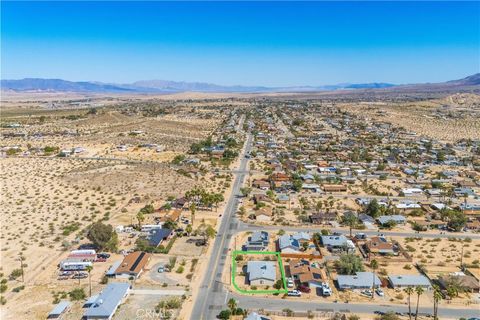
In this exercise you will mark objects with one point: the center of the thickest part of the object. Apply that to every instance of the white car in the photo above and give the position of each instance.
(380, 292)
(326, 290)
(294, 293)
(367, 292)
(290, 283)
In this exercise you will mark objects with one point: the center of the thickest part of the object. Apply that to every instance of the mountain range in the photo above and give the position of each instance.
(165, 86)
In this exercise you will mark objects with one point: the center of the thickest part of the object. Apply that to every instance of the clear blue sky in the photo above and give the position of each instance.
(249, 43)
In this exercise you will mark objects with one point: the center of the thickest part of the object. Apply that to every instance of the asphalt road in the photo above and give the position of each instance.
(211, 297)
(243, 227)
(280, 304)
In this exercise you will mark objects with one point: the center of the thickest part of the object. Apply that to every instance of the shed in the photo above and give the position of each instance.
(59, 310)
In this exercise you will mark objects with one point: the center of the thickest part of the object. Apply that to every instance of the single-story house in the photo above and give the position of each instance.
(334, 187)
(304, 273)
(339, 242)
(408, 280)
(361, 280)
(132, 265)
(264, 214)
(323, 217)
(261, 184)
(260, 197)
(261, 272)
(311, 187)
(157, 236)
(365, 218)
(258, 241)
(380, 245)
(468, 282)
(398, 219)
(104, 305)
(302, 237)
(412, 191)
(283, 198)
(287, 244)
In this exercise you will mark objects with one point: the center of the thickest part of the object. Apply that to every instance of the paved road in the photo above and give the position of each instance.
(158, 292)
(280, 304)
(211, 296)
(244, 226)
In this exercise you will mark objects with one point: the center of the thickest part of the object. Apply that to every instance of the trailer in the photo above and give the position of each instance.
(74, 265)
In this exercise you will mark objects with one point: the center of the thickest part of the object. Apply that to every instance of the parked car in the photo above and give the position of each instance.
(326, 290)
(380, 292)
(367, 292)
(294, 293)
(289, 282)
(81, 275)
(304, 288)
(161, 269)
(103, 255)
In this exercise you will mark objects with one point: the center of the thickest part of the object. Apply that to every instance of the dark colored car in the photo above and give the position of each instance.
(304, 288)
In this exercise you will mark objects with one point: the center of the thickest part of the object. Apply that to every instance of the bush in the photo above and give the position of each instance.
(15, 274)
(77, 294)
(18, 289)
(224, 315)
(180, 269)
(172, 303)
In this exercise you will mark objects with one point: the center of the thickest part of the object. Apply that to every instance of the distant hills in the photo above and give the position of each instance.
(164, 86)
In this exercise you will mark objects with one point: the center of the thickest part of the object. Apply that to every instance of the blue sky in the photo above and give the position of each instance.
(249, 43)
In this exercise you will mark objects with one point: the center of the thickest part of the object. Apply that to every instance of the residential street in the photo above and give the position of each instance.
(211, 296)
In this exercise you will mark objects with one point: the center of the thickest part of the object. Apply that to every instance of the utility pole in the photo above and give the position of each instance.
(461, 256)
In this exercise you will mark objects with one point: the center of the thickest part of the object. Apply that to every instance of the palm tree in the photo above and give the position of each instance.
(351, 221)
(140, 218)
(232, 304)
(374, 266)
(419, 291)
(193, 208)
(89, 270)
(409, 292)
(437, 296)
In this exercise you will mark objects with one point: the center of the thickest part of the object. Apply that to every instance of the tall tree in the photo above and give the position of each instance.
(232, 304)
(419, 291)
(437, 296)
(89, 270)
(193, 209)
(373, 266)
(409, 291)
(350, 221)
(140, 218)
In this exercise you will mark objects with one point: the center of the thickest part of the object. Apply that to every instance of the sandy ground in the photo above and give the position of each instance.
(47, 201)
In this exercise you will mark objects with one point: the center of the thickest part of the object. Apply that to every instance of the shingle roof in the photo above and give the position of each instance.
(409, 280)
(286, 241)
(397, 218)
(158, 235)
(108, 300)
(334, 241)
(261, 270)
(133, 263)
(360, 280)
